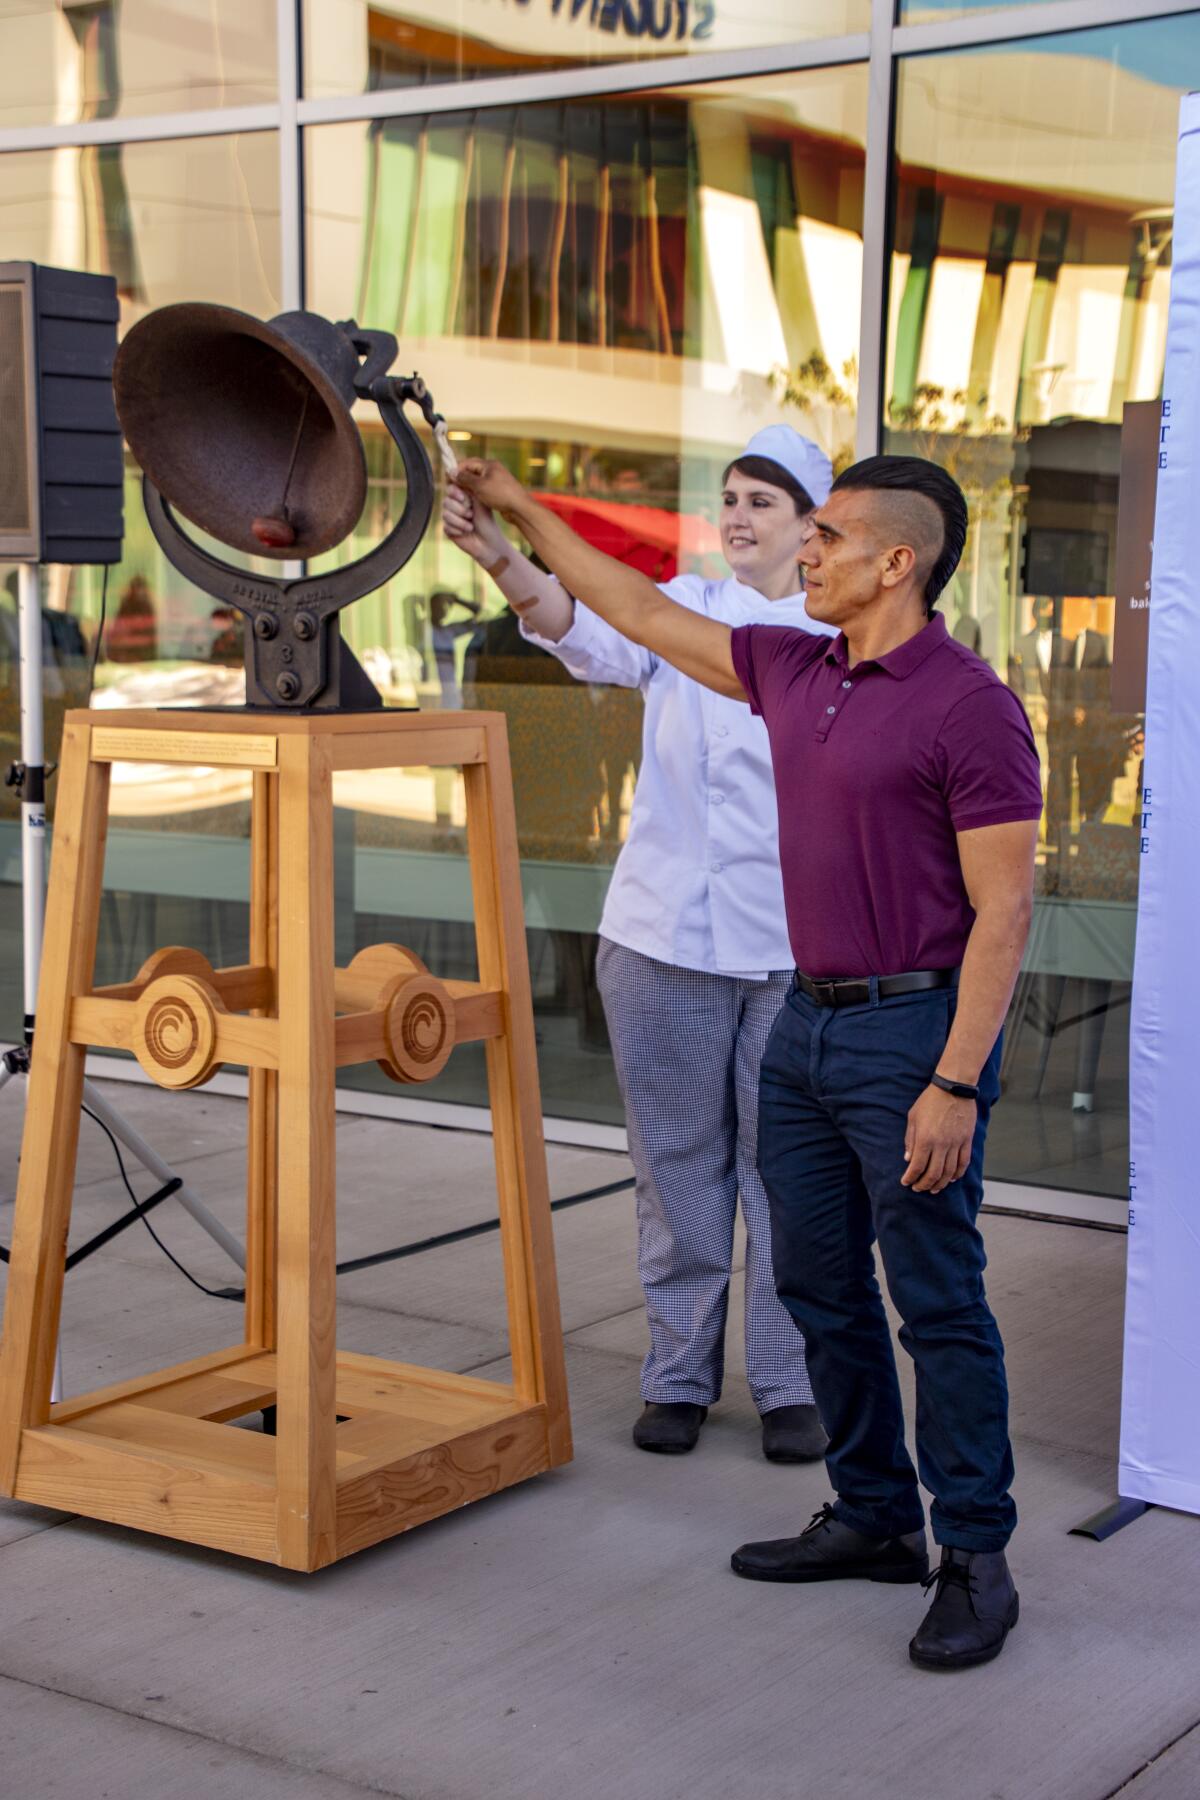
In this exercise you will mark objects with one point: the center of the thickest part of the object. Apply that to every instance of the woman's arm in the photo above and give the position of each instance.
(625, 599)
(542, 603)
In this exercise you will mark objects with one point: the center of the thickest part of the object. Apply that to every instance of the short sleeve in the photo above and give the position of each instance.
(765, 657)
(741, 648)
(989, 762)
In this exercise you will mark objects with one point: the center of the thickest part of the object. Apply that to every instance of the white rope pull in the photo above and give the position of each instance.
(441, 437)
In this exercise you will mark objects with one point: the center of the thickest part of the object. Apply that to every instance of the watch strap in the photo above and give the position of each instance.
(962, 1090)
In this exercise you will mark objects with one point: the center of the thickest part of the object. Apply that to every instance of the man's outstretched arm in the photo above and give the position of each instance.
(627, 600)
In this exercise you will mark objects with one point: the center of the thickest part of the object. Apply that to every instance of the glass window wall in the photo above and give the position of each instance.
(609, 295)
(362, 45)
(70, 60)
(926, 12)
(1028, 310)
(193, 219)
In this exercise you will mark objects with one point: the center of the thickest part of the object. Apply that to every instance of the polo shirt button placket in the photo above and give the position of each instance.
(831, 713)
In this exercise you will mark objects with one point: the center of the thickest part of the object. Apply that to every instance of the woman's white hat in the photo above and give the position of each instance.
(802, 459)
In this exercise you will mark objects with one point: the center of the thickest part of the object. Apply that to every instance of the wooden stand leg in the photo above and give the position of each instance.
(535, 1329)
(47, 1176)
(262, 1188)
(307, 1505)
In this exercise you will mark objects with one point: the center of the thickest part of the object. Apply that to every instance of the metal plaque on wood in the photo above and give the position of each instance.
(210, 749)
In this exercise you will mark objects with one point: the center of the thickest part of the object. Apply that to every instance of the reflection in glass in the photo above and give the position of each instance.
(1028, 310)
(188, 219)
(64, 61)
(923, 12)
(611, 296)
(403, 43)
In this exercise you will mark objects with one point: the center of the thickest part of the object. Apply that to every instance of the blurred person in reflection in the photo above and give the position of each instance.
(445, 633)
(909, 795)
(133, 634)
(693, 962)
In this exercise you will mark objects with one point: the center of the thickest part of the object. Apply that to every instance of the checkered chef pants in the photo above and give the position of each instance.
(687, 1047)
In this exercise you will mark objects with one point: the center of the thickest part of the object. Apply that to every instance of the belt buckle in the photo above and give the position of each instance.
(825, 993)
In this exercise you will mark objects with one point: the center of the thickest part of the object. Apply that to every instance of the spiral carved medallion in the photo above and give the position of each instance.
(418, 1028)
(175, 1031)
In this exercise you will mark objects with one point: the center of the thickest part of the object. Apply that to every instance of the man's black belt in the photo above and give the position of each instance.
(857, 990)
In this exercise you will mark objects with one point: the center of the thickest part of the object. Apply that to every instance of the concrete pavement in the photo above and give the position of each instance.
(579, 1636)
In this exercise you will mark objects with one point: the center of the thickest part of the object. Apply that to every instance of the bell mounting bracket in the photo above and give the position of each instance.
(296, 659)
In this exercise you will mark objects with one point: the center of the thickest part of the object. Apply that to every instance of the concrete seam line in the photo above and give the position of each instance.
(1157, 1757)
(207, 1737)
(36, 1531)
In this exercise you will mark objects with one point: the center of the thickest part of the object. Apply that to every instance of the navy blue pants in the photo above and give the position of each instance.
(834, 1095)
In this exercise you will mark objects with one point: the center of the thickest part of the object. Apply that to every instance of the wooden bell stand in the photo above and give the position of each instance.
(363, 1448)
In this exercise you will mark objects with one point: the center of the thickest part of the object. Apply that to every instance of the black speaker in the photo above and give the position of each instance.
(61, 467)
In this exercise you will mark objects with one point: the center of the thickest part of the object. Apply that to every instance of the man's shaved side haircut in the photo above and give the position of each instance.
(908, 478)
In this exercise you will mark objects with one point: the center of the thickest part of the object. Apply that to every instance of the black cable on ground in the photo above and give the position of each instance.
(469, 1231)
(354, 1264)
(444, 1238)
(139, 1208)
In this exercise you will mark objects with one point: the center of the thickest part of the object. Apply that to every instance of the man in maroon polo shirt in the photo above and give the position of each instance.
(909, 796)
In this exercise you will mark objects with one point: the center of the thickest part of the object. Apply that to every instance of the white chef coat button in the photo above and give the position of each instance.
(717, 867)
(717, 799)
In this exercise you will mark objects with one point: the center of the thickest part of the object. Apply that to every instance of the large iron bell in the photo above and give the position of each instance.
(245, 426)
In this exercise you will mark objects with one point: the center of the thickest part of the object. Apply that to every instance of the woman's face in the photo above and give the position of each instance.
(761, 533)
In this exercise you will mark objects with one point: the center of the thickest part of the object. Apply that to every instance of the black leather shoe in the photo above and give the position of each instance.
(975, 1606)
(670, 1429)
(828, 1550)
(793, 1434)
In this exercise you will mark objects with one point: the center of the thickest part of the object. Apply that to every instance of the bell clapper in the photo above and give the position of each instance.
(274, 534)
(277, 532)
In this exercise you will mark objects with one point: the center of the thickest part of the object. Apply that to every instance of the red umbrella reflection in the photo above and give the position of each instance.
(648, 538)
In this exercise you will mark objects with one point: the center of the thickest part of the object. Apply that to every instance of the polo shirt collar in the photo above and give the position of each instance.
(907, 657)
(902, 661)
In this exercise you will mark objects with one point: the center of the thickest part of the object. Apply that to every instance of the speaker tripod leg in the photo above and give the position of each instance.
(150, 1159)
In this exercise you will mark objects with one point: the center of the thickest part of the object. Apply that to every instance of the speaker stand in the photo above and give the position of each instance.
(363, 1448)
(16, 1062)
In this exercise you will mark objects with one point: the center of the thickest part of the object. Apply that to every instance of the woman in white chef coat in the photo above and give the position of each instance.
(693, 962)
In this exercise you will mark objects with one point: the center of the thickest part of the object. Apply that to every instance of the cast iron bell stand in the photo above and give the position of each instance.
(364, 1448)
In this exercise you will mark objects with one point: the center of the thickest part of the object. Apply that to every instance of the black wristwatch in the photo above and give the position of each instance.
(962, 1090)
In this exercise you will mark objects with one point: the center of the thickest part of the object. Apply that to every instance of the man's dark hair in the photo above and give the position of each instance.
(914, 475)
(765, 468)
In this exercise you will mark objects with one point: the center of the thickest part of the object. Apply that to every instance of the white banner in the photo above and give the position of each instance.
(1160, 1415)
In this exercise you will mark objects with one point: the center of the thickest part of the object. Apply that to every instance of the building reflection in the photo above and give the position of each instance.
(610, 294)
